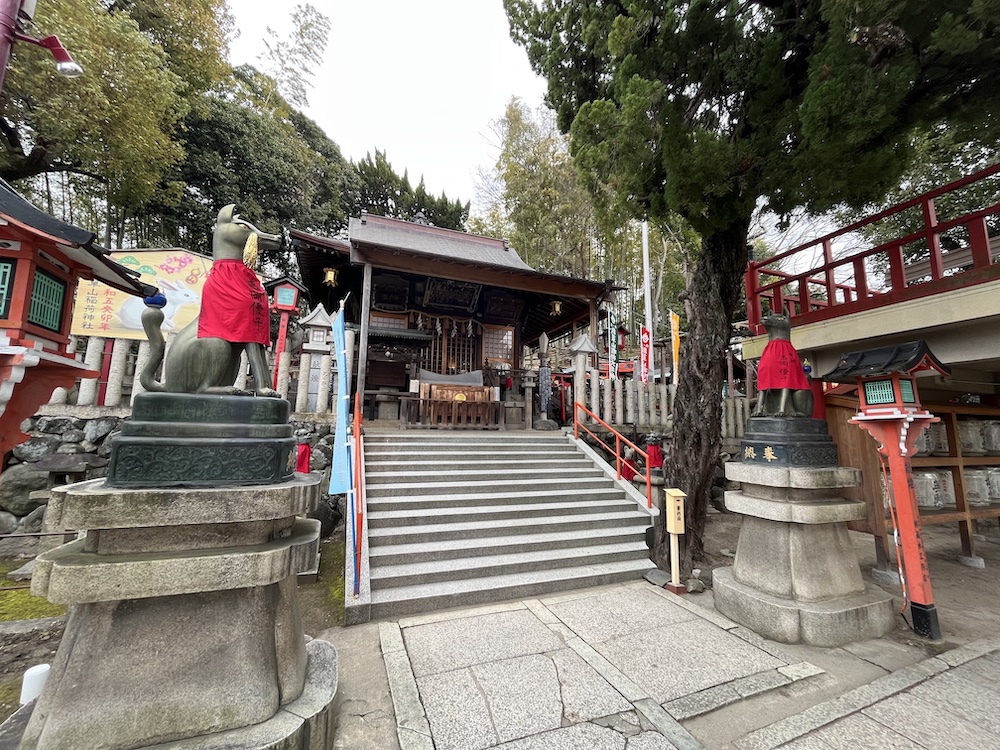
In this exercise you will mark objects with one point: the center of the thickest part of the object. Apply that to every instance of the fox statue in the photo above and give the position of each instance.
(205, 355)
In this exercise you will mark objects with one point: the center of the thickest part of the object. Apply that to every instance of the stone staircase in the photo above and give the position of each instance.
(457, 519)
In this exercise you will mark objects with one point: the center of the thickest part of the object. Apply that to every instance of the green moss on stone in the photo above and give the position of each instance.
(19, 604)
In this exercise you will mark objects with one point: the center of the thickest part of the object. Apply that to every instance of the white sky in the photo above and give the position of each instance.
(420, 80)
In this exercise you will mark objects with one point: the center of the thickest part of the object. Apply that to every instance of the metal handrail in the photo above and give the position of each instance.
(358, 490)
(619, 440)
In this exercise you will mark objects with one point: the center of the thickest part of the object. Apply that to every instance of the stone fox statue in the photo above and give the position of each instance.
(205, 355)
(783, 386)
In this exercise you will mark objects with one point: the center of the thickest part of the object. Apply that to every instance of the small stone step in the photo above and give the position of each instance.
(515, 473)
(451, 549)
(561, 483)
(473, 499)
(411, 517)
(410, 573)
(428, 596)
(492, 528)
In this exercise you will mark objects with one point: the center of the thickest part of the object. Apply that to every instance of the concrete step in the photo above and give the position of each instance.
(502, 527)
(416, 452)
(469, 444)
(384, 519)
(450, 487)
(473, 499)
(411, 573)
(428, 596)
(466, 463)
(513, 473)
(419, 458)
(465, 436)
(453, 549)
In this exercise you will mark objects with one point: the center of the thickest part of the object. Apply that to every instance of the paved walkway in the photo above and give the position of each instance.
(633, 667)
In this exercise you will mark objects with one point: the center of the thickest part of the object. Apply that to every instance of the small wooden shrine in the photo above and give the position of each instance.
(447, 309)
(41, 260)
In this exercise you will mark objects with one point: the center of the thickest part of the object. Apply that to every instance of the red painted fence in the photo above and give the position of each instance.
(864, 278)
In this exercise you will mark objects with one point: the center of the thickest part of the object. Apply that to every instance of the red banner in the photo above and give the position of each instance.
(645, 355)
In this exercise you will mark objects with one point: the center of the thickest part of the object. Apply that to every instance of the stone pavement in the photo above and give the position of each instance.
(633, 667)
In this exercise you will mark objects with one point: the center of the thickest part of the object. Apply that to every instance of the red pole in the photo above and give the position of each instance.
(279, 345)
(915, 570)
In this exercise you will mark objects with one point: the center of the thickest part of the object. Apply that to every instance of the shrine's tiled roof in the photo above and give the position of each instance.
(434, 241)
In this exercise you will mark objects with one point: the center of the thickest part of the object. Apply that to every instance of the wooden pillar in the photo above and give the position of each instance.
(595, 358)
(366, 307)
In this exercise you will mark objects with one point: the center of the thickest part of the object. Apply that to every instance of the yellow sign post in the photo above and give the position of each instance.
(674, 509)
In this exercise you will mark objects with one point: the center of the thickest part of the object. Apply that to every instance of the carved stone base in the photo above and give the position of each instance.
(788, 441)
(182, 439)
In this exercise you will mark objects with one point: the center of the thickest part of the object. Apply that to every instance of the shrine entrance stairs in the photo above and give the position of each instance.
(463, 519)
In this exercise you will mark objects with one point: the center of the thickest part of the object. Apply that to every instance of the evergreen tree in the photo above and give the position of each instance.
(710, 107)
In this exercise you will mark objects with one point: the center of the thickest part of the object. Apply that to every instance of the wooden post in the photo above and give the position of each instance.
(675, 527)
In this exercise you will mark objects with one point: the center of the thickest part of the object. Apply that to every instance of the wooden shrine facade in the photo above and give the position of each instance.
(434, 304)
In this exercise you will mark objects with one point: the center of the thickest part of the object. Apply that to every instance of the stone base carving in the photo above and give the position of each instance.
(194, 440)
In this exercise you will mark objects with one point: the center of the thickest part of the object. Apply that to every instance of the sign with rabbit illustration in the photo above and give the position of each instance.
(102, 311)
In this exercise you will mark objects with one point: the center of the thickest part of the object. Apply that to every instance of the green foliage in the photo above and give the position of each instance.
(95, 124)
(384, 192)
(281, 172)
(292, 62)
(712, 108)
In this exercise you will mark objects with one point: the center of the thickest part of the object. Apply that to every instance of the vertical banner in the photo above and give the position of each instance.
(675, 344)
(340, 471)
(645, 355)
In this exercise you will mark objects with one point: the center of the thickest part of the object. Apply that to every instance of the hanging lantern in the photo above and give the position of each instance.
(330, 277)
(556, 307)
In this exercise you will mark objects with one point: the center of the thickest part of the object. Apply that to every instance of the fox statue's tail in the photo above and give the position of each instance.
(152, 319)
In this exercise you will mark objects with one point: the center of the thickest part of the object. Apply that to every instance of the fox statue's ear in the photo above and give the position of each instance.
(226, 214)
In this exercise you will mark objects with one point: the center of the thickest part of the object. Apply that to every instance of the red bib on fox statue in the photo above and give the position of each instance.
(780, 367)
(234, 305)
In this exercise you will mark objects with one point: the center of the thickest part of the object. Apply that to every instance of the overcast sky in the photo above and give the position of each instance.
(421, 81)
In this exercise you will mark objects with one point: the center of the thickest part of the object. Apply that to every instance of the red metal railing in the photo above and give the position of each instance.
(873, 277)
(617, 450)
(358, 488)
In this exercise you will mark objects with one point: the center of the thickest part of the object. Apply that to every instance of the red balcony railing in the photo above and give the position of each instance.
(820, 280)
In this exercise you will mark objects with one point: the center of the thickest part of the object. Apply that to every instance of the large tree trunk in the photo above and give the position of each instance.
(697, 436)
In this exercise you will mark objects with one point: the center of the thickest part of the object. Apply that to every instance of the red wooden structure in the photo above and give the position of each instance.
(41, 260)
(844, 282)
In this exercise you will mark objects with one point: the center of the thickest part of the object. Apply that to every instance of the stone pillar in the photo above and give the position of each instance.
(116, 373)
(631, 386)
(606, 414)
(617, 386)
(93, 359)
(595, 392)
(302, 393)
(579, 380)
(665, 404)
(284, 365)
(641, 405)
(183, 606)
(654, 417)
(140, 362)
(796, 578)
(323, 395)
(59, 396)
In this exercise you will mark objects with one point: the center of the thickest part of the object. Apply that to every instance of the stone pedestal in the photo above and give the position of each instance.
(796, 578)
(183, 622)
